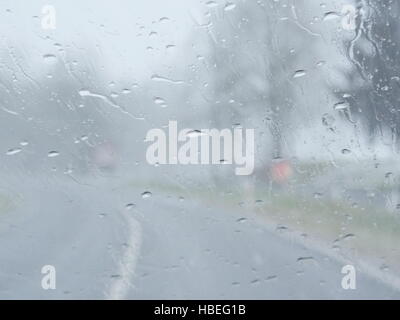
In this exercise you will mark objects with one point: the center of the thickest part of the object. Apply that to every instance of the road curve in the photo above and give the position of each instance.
(159, 248)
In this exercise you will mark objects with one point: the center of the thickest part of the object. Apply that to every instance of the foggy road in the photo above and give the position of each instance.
(160, 248)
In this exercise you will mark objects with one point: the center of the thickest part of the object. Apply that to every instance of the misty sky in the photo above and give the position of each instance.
(128, 32)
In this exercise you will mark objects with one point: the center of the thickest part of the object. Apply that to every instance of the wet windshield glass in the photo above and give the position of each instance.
(195, 149)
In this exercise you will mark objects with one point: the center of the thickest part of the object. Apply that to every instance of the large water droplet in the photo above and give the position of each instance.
(130, 206)
(11, 152)
(281, 228)
(84, 93)
(160, 101)
(341, 105)
(156, 77)
(306, 260)
(299, 73)
(331, 16)
(53, 154)
(349, 236)
(195, 133)
(146, 194)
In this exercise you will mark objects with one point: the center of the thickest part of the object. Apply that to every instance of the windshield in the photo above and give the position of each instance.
(195, 149)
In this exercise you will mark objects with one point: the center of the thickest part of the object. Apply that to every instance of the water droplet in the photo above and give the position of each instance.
(164, 19)
(305, 259)
(328, 120)
(211, 4)
(318, 195)
(384, 267)
(160, 101)
(281, 228)
(341, 105)
(349, 236)
(11, 152)
(229, 6)
(299, 73)
(195, 133)
(269, 278)
(50, 58)
(68, 171)
(388, 174)
(331, 15)
(146, 194)
(255, 281)
(152, 34)
(84, 93)
(156, 77)
(130, 206)
(237, 126)
(53, 154)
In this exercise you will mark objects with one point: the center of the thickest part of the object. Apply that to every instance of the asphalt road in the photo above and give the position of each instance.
(161, 248)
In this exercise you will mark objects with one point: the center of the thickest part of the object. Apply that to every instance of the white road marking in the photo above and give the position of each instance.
(126, 267)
